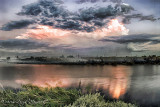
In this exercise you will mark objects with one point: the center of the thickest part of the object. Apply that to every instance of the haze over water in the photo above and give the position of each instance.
(138, 83)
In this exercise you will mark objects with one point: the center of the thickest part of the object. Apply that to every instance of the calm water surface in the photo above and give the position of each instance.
(139, 84)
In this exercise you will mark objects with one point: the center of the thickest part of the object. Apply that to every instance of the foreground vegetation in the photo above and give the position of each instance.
(33, 96)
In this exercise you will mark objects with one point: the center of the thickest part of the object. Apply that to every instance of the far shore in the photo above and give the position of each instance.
(94, 63)
(71, 60)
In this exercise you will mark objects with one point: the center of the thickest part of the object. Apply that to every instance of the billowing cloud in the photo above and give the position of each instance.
(90, 18)
(16, 25)
(57, 25)
(48, 8)
(47, 32)
(53, 14)
(43, 32)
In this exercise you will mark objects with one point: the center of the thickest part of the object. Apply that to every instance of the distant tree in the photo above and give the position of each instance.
(31, 57)
(8, 58)
(17, 57)
(70, 56)
(62, 56)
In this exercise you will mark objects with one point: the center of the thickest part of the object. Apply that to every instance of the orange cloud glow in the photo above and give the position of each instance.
(115, 28)
(42, 32)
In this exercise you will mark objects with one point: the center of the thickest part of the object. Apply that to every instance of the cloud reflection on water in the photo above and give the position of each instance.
(115, 81)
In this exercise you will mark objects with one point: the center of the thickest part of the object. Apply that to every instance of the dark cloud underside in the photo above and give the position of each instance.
(25, 44)
(141, 38)
(21, 44)
(16, 25)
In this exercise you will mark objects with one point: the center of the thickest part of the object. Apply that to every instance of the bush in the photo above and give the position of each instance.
(96, 100)
(90, 100)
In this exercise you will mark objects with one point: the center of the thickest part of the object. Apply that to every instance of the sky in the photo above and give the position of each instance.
(84, 27)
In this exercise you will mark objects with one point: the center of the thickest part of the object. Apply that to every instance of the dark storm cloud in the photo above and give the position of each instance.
(16, 25)
(69, 24)
(127, 18)
(26, 44)
(141, 38)
(21, 44)
(136, 43)
(45, 8)
(52, 13)
(125, 8)
(99, 13)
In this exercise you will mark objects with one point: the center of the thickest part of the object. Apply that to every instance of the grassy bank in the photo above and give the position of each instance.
(33, 96)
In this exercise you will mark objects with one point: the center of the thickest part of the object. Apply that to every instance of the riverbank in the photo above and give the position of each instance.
(33, 96)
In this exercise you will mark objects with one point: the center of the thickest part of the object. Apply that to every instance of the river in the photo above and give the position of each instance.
(137, 84)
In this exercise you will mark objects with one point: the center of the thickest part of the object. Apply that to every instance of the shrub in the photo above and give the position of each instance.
(90, 100)
(96, 100)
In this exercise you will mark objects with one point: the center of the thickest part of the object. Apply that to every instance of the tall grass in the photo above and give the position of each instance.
(33, 96)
